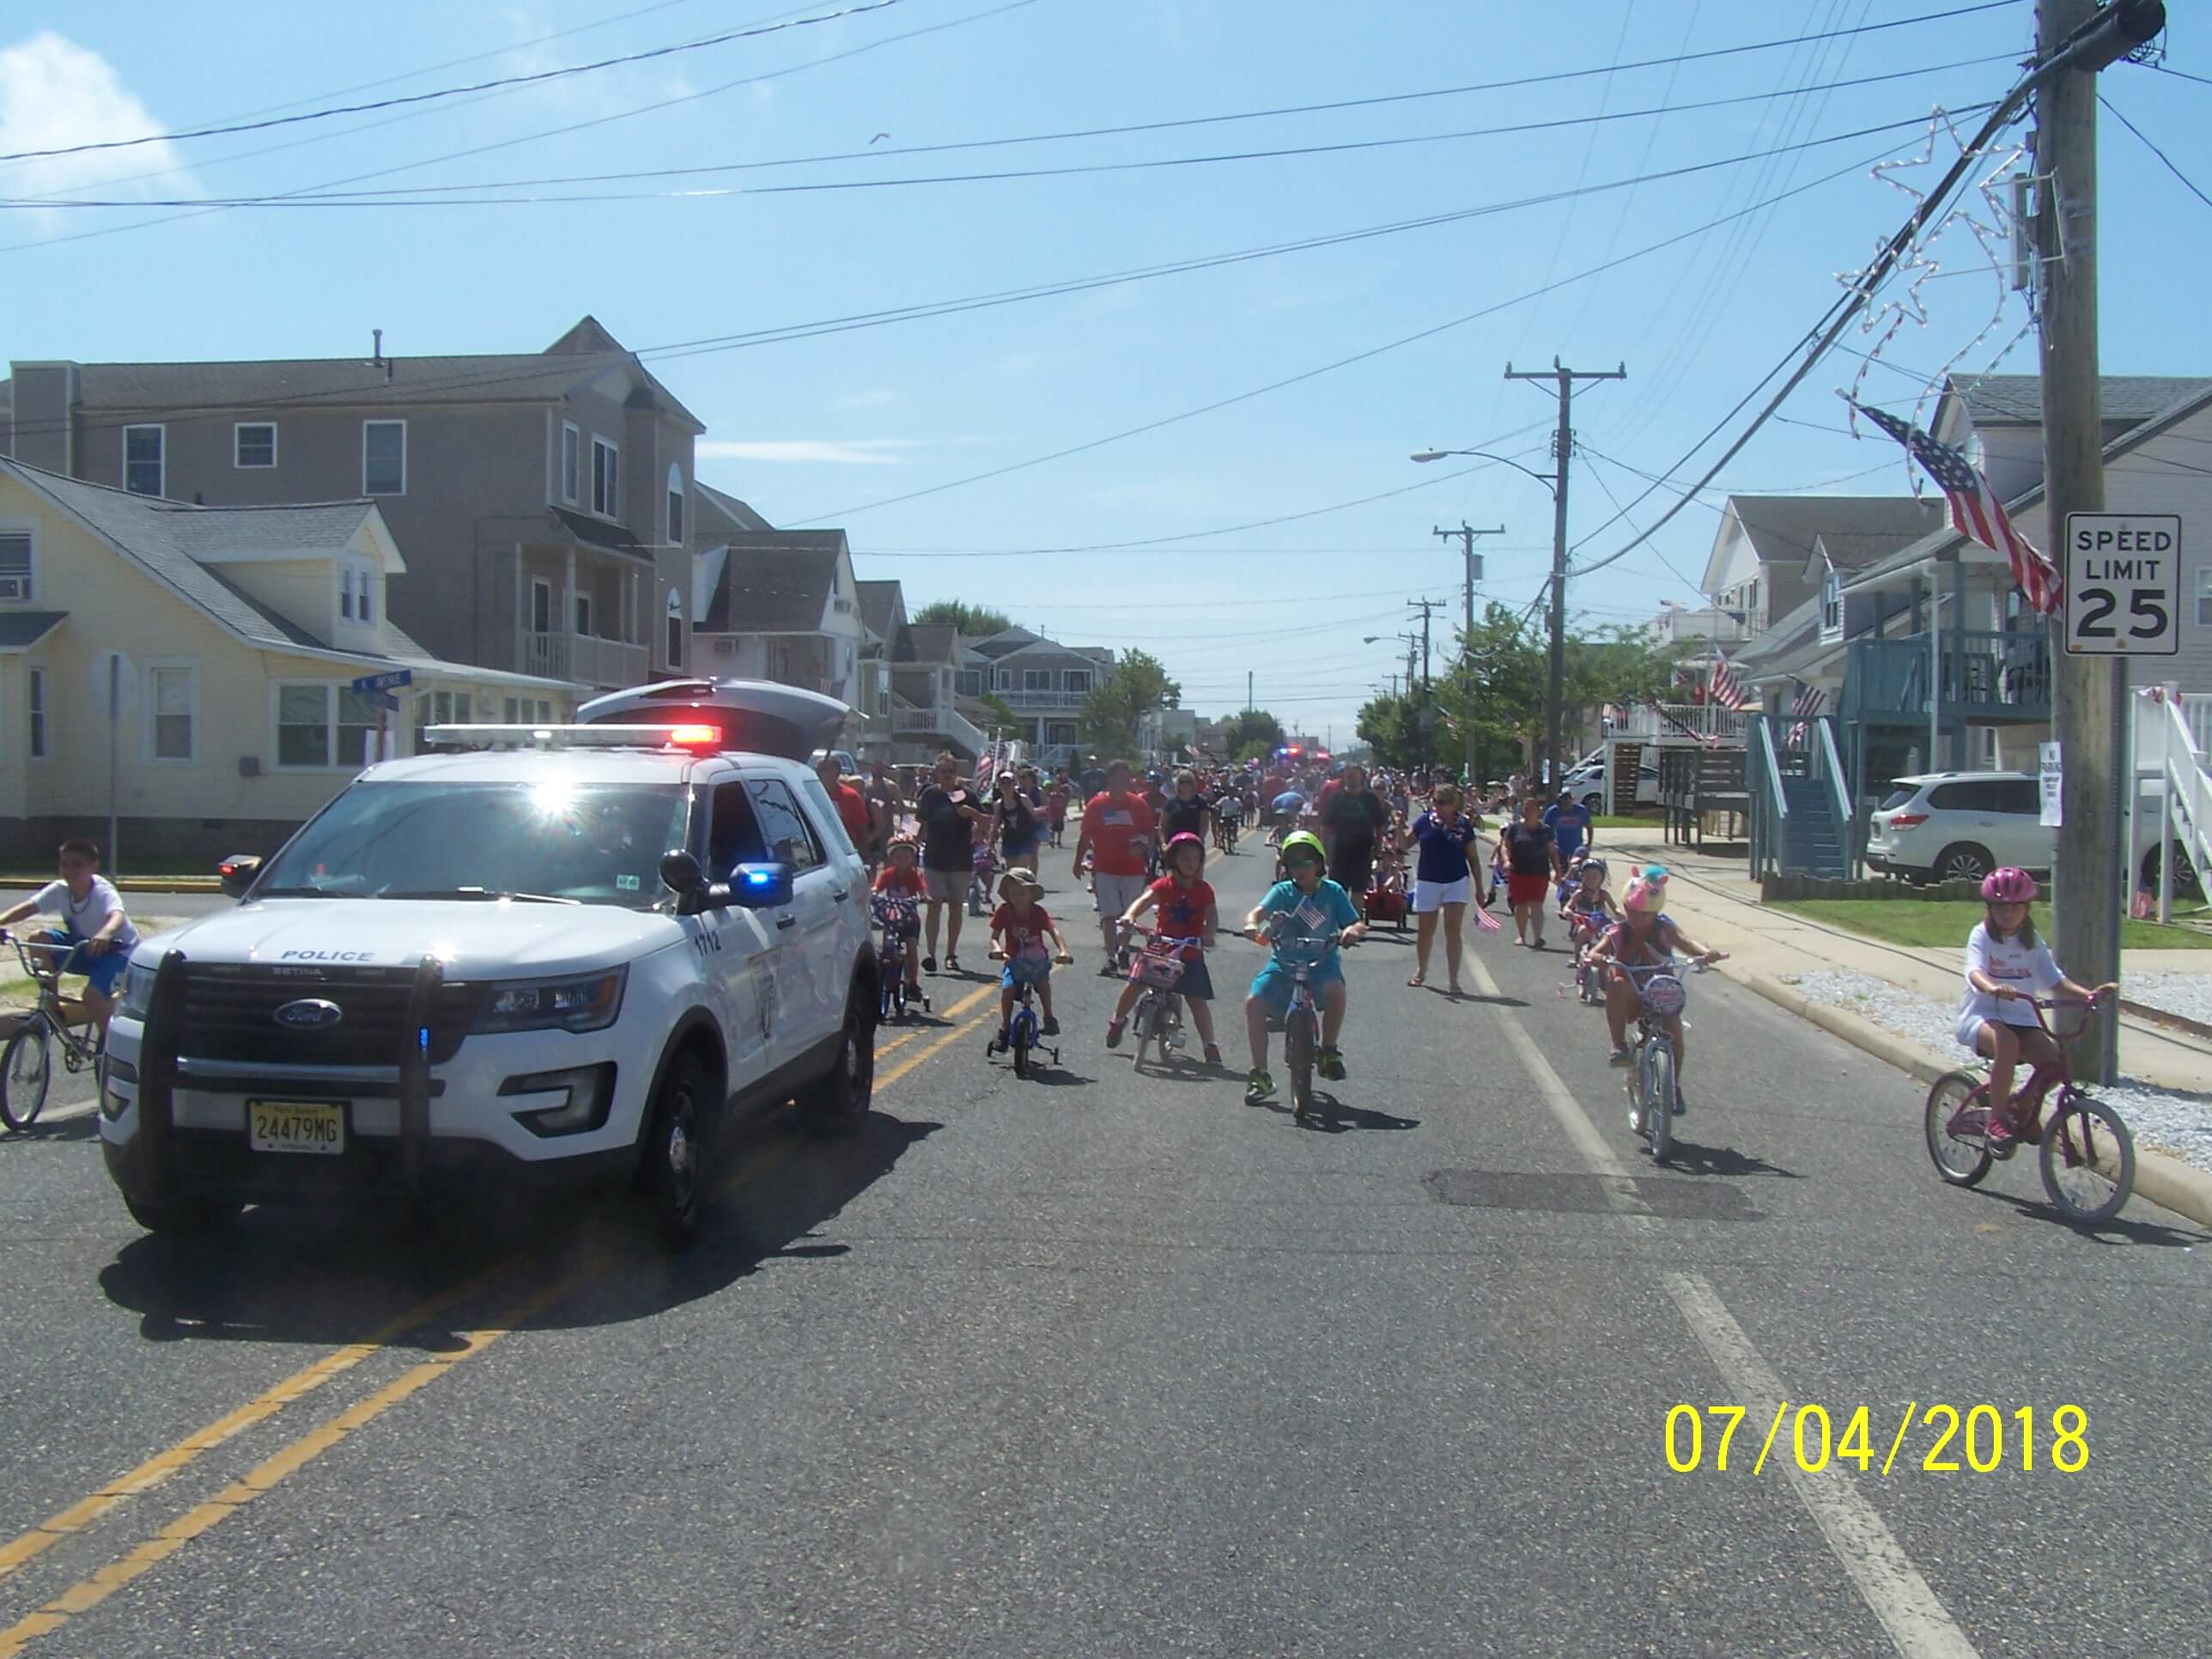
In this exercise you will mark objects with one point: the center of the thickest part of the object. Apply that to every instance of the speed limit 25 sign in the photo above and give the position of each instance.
(2123, 584)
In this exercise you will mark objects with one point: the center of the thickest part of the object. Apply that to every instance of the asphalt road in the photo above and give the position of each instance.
(1109, 1364)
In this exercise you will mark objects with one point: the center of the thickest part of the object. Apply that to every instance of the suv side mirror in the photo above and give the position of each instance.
(237, 873)
(680, 871)
(760, 886)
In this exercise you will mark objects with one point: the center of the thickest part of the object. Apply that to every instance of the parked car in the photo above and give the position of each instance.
(588, 957)
(1942, 826)
(1587, 782)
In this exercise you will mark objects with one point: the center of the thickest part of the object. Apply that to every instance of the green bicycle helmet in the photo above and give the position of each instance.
(1309, 841)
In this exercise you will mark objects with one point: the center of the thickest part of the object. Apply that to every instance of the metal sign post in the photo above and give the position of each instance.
(114, 683)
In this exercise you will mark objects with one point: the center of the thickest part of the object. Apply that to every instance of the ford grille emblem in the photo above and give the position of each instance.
(309, 1014)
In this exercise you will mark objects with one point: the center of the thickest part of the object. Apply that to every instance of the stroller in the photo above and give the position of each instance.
(1388, 901)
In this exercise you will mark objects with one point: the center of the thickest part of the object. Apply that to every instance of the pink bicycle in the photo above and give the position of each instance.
(2087, 1156)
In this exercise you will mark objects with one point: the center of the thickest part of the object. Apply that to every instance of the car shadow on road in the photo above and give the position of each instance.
(84, 1126)
(334, 1276)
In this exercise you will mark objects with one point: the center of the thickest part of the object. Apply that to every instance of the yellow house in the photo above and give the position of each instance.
(240, 631)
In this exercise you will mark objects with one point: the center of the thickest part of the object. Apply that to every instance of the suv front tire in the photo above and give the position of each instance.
(836, 1102)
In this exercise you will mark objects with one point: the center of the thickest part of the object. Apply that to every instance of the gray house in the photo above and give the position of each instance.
(541, 500)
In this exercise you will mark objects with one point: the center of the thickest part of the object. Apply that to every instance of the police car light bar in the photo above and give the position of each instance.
(679, 735)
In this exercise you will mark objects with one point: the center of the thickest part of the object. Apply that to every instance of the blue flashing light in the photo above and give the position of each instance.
(760, 878)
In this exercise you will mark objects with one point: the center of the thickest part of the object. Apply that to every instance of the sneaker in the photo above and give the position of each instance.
(1257, 1087)
(2025, 1126)
(1006, 1038)
(1332, 1065)
(929, 964)
(1108, 971)
(952, 964)
(1114, 1029)
(1999, 1137)
(1051, 1027)
(1213, 1054)
(1621, 1055)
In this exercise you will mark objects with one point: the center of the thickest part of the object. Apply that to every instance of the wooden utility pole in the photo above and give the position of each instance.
(1465, 535)
(2089, 693)
(1563, 446)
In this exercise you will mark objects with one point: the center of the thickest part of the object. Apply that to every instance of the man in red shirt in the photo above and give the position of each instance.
(1117, 827)
(853, 810)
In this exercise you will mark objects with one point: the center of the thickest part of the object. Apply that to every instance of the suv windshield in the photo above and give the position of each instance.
(590, 843)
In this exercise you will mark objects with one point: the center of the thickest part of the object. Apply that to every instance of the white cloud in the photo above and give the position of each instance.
(866, 452)
(55, 94)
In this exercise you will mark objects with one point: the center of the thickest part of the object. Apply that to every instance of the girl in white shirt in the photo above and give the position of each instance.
(2007, 965)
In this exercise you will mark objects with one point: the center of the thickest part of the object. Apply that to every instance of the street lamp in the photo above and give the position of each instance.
(1556, 483)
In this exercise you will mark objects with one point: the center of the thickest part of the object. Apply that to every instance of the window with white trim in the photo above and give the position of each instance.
(1832, 604)
(675, 505)
(253, 443)
(38, 698)
(354, 585)
(143, 453)
(1036, 679)
(322, 724)
(606, 479)
(541, 605)
(675, 628)
(172, 711)
(583, 614)
(1076, 679)
(384, 457)
(571, 461)
(18, 567)
(529, 711)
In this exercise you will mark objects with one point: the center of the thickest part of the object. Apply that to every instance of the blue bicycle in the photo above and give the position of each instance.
(1025, 1031)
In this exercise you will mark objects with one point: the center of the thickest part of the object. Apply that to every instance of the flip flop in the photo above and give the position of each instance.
(1454, 991)
(1418, 980)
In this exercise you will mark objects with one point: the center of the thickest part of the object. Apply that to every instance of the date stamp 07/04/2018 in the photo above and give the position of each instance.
(1979, 1439)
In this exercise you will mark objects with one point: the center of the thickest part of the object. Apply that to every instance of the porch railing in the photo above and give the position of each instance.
(1980, 674)
(595, 661)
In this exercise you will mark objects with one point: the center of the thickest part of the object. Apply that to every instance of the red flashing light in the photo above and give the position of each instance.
(693, 737)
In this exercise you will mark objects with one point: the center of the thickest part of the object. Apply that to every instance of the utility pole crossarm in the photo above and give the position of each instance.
(1564, 445)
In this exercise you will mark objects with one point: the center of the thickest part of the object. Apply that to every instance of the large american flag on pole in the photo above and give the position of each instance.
(1976, 513)
(1723, 686)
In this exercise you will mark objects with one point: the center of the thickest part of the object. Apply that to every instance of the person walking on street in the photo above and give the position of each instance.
(1015, 824)
(1528, 849)
(884, 805)
(853, 811)
(1091, 781)
(949, 816)
(1352, 821)
(1573, 831)
(1443, 881)
(1117, 833)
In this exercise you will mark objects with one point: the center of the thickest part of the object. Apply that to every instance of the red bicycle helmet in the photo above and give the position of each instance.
(2010, 885)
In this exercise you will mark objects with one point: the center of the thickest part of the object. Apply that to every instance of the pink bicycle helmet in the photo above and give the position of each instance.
(2010, 885)
(1184, 838)
(1647, 889)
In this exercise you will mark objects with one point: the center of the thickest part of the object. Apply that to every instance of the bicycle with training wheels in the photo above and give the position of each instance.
(2086, 1155)
(898, 934)
(1583, 934)
(1156, 1020)
(1225, 825)
(1301, 1021)
(1025, 1031)
(983, 868)
(1651, 1084)
(27, 1067)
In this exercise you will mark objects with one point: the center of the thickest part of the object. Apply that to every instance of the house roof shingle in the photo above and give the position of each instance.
(932, 643)
(598, 533)
(1781, 528)
(19, 629)
(722, 513)
(880, 603)
(2017, 400)
(775, 581)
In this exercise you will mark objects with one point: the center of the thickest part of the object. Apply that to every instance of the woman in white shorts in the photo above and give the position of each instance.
(1443, 881)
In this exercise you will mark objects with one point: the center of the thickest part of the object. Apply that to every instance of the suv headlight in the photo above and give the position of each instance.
(587, 1002)
(137, 991)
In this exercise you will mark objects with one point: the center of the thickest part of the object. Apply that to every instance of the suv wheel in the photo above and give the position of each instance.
(674, 1173)
(1594, 802)
(2186, 883)
(836, 1102)
(1965, 861)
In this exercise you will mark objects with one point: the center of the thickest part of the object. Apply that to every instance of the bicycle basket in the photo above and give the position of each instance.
(2066, 1018)
(1158, 966)
(1663, 994)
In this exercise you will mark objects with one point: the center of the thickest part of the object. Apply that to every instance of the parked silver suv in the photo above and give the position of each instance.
(1946, 826)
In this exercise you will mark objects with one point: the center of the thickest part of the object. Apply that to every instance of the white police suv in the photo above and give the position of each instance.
(544, 957)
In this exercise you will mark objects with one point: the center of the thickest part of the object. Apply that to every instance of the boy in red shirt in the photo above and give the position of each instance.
(1019, 931)
(1187, 912)
(1116, 827)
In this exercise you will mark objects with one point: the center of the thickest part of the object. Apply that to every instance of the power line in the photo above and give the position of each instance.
(459, 196)
(750, 32)
(2188, 183)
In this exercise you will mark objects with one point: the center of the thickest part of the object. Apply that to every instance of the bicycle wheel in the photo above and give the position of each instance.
(1300, 1043)
(1659, 1100)
(26, 1068)
(2089, 1160)
(1964, 1158)
(1021, 1044)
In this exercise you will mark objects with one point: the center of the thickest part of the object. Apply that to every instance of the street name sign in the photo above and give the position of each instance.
(397, 677)
(2122, 585)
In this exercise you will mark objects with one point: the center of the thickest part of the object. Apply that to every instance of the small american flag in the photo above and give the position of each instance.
(1804, 711)
(1976, 513)
(1723, 687)
(1484, 919)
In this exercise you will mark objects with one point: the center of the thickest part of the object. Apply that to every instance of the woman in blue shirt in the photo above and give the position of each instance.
(1444, 880)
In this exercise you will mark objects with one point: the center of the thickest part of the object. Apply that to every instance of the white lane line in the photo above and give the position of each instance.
(1890, 1586)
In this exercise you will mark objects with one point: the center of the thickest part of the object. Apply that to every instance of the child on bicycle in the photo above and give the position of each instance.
(1019, 932)
(1586, 907)
(1305, 906)
(1189, 917)
(2007, 965)
(95, 938)
(899, 892)
(1643, 943)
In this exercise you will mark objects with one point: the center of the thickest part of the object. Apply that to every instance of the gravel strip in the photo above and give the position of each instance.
(2161, 1118)
(2188, 995)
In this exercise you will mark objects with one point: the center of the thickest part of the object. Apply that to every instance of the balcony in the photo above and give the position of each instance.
(943, 724)
(1990, 677)
(1038, 702)
(1701, 722)
(584, 657)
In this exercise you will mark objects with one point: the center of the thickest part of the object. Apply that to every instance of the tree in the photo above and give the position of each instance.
(1253, 732)
(1391, 725)
(1000, 711)
(975, 622)
(1496, 690)
(1138, 686)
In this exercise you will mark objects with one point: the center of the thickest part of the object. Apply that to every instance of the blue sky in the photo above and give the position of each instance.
(828, 428)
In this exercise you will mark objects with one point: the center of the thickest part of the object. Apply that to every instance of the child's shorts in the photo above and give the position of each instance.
(1025, 970)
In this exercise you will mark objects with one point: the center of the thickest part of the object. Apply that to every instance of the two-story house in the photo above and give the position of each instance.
(1045, 683)
(543, 498)
(781, 605)
(241, 631)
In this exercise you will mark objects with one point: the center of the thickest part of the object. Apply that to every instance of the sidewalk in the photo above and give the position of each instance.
(1717, 904)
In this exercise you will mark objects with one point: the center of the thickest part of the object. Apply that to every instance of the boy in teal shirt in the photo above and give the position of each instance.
(1307, 906)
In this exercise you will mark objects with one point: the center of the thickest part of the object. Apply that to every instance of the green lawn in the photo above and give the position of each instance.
(1612, 823)
(1946, 923)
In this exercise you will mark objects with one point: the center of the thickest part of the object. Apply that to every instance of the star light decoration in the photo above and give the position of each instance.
(1991, 223)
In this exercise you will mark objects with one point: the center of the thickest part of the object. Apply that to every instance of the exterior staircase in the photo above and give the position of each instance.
(1812, 841)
